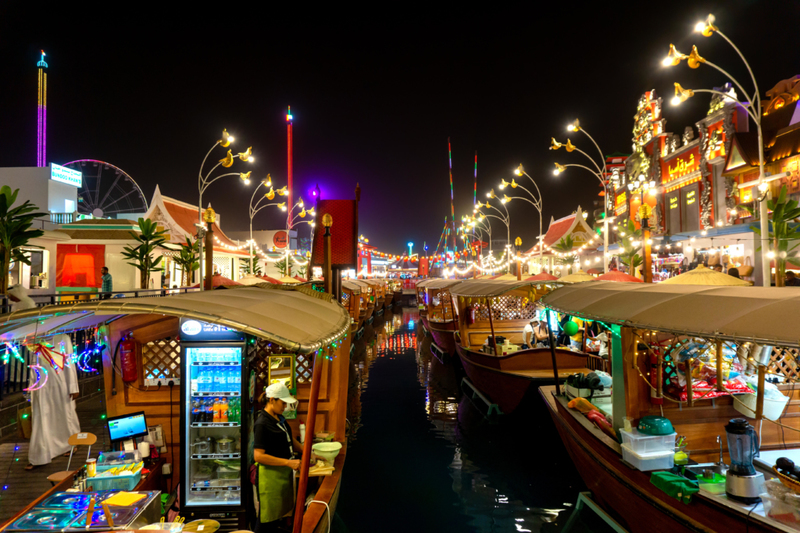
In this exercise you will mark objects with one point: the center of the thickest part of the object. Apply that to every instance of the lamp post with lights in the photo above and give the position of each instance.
(258, 206)
(600, 173)
(642, 186)
(203, 182)
(535, 201)
(753, 108)
(290, 224)
(504, 219)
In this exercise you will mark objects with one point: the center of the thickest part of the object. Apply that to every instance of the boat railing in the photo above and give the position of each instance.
(70, 298)
(595, 362)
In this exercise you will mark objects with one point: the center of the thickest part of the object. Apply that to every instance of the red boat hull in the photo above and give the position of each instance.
(442, 333)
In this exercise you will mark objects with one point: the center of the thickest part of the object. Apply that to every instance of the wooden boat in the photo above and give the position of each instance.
(419, 290)
(379, 288)
(290, 329)
(490, 309)
(440, 319)
(368, 291)
(650, 323)
(355, 303)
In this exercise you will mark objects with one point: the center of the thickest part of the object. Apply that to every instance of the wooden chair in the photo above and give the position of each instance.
(78, 439)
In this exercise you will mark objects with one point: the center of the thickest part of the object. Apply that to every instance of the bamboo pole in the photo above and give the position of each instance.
(302, 485)
(491, 325)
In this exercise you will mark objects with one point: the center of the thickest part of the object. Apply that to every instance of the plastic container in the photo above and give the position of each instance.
(646, 462)
(642, 443)
(116, 482)
(109, 460)
(773, 409)
(224, 472)
(781, 511)
(603, 396)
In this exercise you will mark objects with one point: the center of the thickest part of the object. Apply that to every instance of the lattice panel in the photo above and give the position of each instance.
(161, 360)
(259, 356)
(508, 307)
(784, 361)
(304, 368)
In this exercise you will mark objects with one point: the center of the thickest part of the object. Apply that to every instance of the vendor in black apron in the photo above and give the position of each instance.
(274, 451)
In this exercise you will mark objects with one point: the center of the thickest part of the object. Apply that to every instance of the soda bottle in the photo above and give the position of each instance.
(228, 379)
(223, 410)
(216, 410)
(207, 412)
(237, 378)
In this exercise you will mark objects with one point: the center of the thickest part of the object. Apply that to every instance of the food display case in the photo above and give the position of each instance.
(212, 465)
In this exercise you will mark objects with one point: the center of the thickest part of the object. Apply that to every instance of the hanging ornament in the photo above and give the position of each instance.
(41, 378)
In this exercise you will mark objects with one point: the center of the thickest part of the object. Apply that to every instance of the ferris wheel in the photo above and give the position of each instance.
(107, 191)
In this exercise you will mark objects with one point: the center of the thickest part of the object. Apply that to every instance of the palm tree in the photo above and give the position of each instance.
(150, 238)
(781, 233)
(188, 260)
(630, 253)
(565, 245)
(244, 265)
(15, 232)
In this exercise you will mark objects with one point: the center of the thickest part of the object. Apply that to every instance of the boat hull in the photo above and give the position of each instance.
(442, 333)
(387, 302)
(627, 494)
(506, 380)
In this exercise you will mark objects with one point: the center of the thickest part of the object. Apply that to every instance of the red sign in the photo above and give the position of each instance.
(279, 239)
(344, 233)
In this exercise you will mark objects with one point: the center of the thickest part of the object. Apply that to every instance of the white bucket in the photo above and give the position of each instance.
(746, 405)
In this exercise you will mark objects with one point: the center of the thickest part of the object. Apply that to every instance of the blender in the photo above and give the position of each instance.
(742, 482)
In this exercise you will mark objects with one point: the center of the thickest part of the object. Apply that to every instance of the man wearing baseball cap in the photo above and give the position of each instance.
(274, 451)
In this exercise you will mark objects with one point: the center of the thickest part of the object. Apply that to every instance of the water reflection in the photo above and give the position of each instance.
(511, 475)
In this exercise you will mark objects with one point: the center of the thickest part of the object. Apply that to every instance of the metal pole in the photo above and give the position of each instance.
(548, 316)
(207, 281)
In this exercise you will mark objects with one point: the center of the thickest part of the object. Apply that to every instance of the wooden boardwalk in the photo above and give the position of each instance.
(19, 486)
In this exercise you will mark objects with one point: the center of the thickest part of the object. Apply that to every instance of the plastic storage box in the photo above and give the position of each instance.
(116, 482)
(780, 510)
(109, 460)
(603, 396)
(640, 442)
(658, 460)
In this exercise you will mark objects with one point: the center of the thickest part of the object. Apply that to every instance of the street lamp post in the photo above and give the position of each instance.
(534, 201)
(255, 208)
(290, 224)
(204, 181)
(642, 186)
(600, 174)
(753, 108)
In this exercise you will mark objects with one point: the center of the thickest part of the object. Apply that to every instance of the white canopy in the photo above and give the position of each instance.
(483, 288)
(442, 283)
(295, 320)
(352, 287)
(768, 315)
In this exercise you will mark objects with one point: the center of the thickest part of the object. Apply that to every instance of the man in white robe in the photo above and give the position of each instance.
(54, 419)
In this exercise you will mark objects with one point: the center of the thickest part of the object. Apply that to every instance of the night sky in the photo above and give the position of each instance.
(375, 92)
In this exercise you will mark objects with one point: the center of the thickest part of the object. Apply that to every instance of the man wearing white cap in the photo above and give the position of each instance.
(274, 451)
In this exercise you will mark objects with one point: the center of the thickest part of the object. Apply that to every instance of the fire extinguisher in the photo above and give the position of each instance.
(470, 312)
(128, 359)
(655, 377)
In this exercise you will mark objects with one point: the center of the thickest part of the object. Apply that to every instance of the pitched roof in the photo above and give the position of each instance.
(787, 144)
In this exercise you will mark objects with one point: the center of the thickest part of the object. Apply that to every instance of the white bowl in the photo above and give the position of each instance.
(327, 450)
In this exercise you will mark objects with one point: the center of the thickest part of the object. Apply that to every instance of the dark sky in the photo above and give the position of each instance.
(375, 90)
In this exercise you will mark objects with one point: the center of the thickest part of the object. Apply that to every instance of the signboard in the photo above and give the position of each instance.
(680, 166)
(66, 175)
(279, 240)
(690, 207)
(344, 233)
(674, 212)
(195, 330)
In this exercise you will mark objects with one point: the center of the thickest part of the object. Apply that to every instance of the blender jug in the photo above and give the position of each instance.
(742, 446)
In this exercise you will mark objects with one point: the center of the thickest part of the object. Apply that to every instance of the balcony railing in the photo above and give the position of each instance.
(69, 298)
(62, 218)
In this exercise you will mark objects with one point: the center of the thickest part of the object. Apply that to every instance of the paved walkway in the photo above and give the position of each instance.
(20, 486)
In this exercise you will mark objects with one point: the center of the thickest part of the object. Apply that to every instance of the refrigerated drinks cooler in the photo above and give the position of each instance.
(213, 462)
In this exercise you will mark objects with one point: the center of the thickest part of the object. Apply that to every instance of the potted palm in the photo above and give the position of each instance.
(141, 256)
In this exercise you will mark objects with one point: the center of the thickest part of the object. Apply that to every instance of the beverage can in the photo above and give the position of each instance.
(91, 467)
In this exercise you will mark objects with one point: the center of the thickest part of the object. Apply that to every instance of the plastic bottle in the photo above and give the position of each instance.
(217, 379)
(229, 379)
(215, 411)
(223, 410)
(237, 378)
(302, 433)
(208, 414)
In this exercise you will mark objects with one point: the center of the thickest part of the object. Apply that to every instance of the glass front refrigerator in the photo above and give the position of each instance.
(214, 482)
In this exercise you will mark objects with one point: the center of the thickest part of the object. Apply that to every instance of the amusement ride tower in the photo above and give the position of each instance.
(41, 119)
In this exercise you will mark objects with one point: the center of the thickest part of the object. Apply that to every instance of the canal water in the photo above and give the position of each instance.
(423, 458)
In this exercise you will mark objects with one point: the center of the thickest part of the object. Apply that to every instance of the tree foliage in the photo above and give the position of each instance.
(783, 231)
(141, 256)
(15, 230)
(188, 260)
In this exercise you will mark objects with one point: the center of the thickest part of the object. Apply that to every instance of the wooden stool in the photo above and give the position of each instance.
(58, 477)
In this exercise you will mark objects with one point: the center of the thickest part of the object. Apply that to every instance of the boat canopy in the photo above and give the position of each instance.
(375, 282)
(488, 288)
(352, 287)
(443, 283)
(767, 315)
(425, 282)
(296, 320)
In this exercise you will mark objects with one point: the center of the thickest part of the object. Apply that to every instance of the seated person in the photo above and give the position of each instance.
(534, 335)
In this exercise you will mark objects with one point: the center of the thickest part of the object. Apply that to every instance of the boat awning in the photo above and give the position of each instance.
(352, 287)
(375, 282)
(488, 288)
(443, 283)
(425, 282)
(297, 321)
(767, 315)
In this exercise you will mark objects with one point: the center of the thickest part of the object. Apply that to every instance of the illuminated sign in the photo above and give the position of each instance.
(279, 239)
(673, 202)
(691, 197)
(66, 175)
(682, 167)
(621, 199)
(195, 330)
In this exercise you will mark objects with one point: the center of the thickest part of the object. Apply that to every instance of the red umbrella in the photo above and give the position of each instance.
(218, 281)
(270, 280)
(616, 275)
(298, 278)
(542, 276)
(593, 271)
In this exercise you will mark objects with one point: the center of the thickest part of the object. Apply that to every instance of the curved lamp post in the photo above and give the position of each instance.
(535, 201)
(258, 206)
(203, 182)
(753, 108)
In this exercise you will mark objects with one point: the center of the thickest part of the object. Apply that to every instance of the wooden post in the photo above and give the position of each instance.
(519, 270)
(688, 374)
(302, 485)
(720, 385)
(553, 351)
(491, 325)
(762, 374)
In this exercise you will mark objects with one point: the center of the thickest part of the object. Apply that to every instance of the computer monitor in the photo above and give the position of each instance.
(126, 427)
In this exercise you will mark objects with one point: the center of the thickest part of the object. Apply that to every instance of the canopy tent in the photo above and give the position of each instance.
(478, 288)
(594, 271)
(355, 288)
(426, 282)
(542, 276)
(578, 277)
(218, 280)
(705, 276)
(616, 275)
(507, 277)
(250, 279)
(296, 320)
(269, 279)
(443, 283)
(767, 315)
(289, 281)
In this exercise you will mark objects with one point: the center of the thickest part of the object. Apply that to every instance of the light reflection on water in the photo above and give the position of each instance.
(495, 486)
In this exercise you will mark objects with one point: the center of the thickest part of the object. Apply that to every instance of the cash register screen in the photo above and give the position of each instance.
(127, 426)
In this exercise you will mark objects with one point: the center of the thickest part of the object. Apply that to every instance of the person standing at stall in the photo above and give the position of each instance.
(274, 452)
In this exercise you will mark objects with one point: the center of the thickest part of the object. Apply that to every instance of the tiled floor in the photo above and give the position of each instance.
(19, 486)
